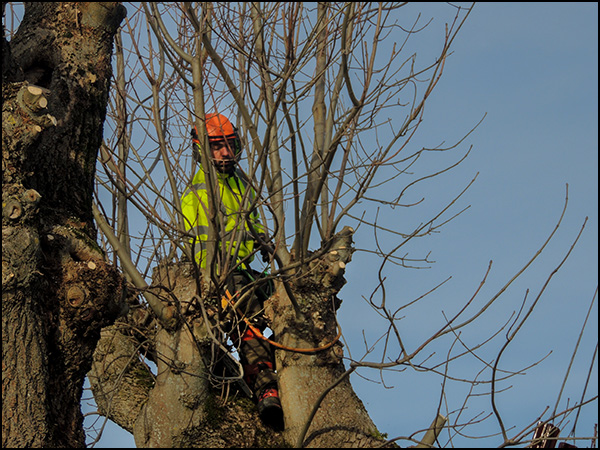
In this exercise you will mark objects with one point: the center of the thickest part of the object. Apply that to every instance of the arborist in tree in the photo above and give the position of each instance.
(240, 220)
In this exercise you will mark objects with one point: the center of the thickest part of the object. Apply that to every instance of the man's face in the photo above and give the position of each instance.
(223, 155)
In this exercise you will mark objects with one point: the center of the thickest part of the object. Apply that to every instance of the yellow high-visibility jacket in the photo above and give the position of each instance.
(235, 196)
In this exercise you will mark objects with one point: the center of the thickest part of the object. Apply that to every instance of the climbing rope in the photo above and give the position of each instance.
(228, 299)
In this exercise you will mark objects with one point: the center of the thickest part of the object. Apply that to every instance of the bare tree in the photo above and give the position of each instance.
(327, 119)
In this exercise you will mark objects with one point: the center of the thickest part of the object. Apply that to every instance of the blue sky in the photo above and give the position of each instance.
(532, 70)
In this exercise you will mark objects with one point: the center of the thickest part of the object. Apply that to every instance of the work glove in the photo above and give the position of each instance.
(267, 252)
(266, 248)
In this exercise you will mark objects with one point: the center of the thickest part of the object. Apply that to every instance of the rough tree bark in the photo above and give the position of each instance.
(341, 420)
(57, 290)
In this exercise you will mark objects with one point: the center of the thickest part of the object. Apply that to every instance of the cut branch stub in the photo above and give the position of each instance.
(33, 101)
(338, 269)
(34, 98)
(76, 296)
(12, 209)
(31, 196)
(341, 245)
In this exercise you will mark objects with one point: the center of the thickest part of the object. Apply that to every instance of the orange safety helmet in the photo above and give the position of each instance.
(220, 128)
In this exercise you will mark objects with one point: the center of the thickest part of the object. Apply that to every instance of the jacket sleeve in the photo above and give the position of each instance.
(195, 219)
(256, 222)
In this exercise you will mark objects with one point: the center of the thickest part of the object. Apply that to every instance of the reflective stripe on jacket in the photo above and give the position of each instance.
(233, 204)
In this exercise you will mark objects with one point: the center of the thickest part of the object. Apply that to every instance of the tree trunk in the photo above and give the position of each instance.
(57, 290)
(341, 419)
(175, 406)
